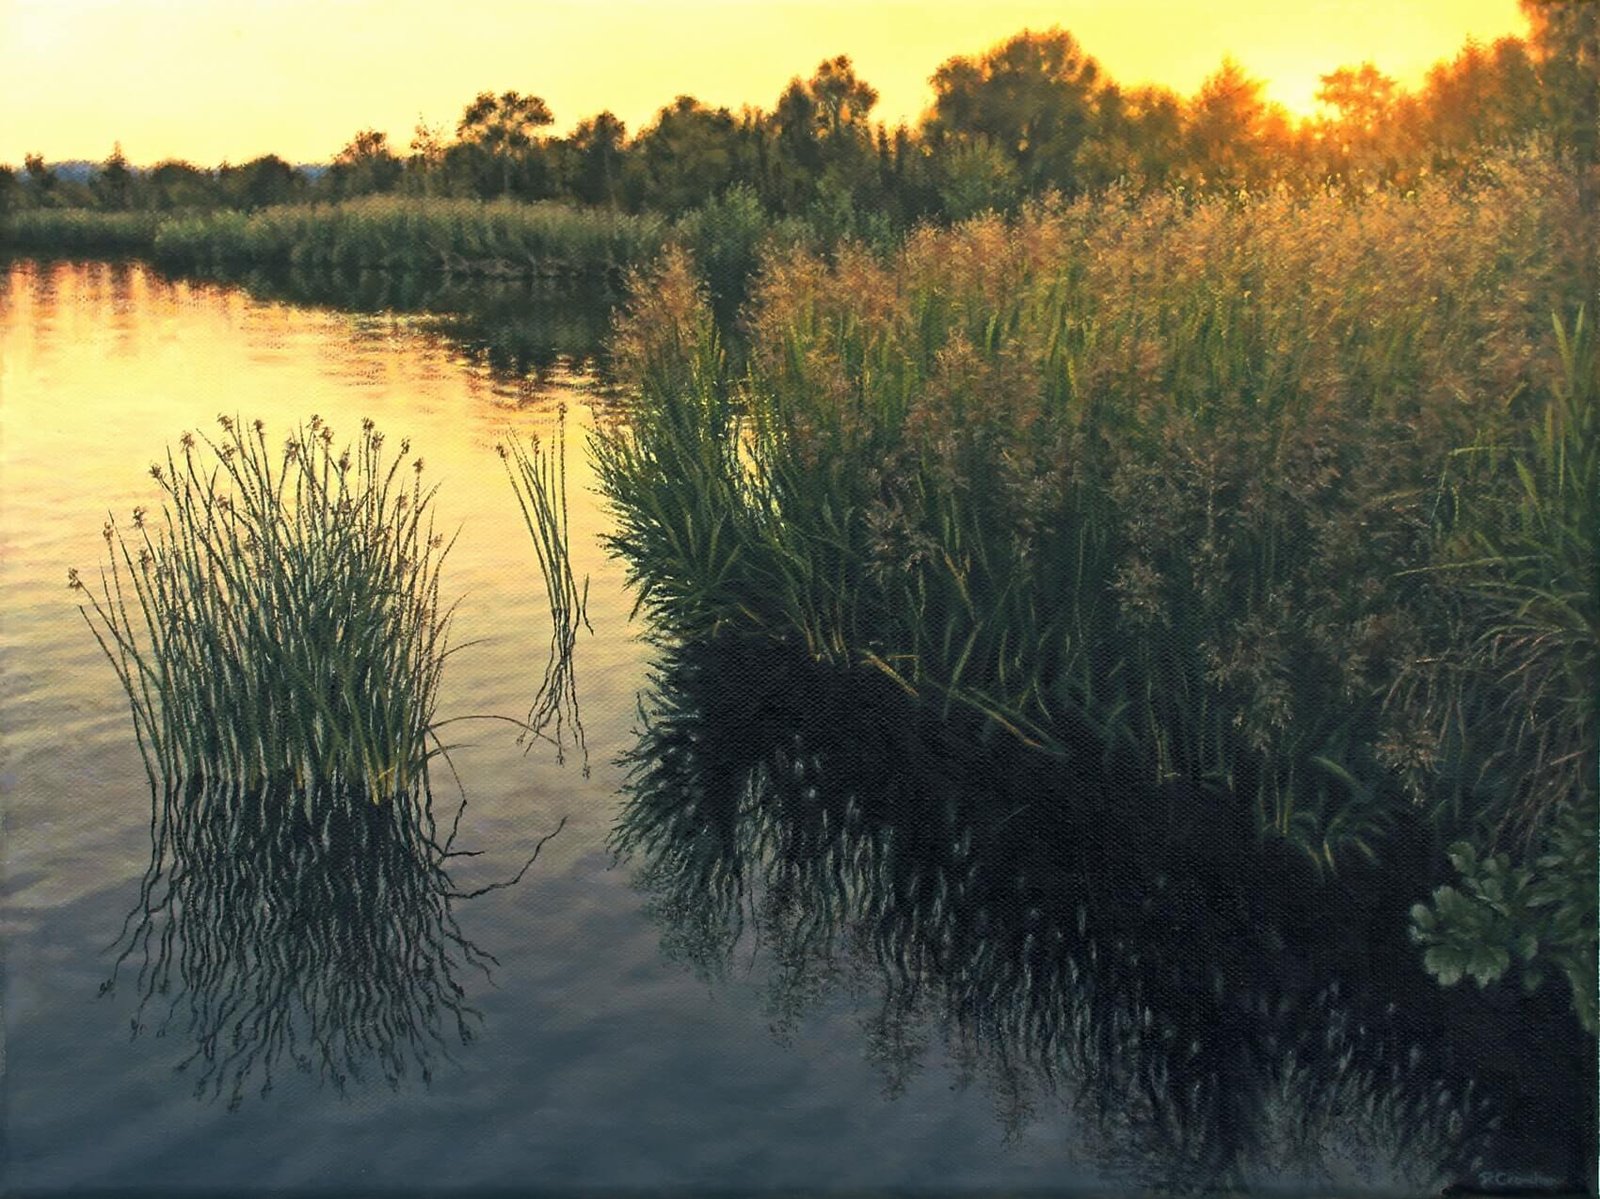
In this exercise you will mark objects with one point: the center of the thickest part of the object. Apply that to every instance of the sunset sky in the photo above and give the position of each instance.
(215, 80)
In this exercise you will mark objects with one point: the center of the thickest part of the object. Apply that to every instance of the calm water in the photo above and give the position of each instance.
(839, 951)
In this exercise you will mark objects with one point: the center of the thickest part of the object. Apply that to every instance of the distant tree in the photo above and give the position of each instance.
(977, 176)
(1483, 97)
(1232, 134)
(365, 165)
(501, 133)
(112, 185)
(596, 152)
(823, 154)
(41, 179)
(261, 182)
(424, 169)
(687, 156)
(177, 184)
(1032, 98)
(1137, 138)
(1362, 139)
(1565, 40)
(10, 190)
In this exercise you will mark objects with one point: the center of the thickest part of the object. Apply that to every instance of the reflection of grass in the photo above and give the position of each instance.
(1214, 1014)
(539, 476)
(278, 624)
(270, 937)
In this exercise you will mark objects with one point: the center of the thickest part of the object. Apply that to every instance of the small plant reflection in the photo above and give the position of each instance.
(1205, 1021)
(315, 935)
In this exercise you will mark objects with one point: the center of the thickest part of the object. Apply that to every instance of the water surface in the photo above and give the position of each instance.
(599, 1061)
(843, 948)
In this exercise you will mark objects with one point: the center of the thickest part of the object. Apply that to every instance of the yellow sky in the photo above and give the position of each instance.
(214, 80)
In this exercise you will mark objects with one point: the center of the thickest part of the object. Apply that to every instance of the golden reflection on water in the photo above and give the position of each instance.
(102, 366)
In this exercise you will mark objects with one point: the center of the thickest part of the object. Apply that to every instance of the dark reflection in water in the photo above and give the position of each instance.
(1208, 1011)
(513, 326)
(316, 933)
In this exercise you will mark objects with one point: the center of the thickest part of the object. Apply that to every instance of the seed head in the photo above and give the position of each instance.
(155, 472)
(74, 583)
(138, 517)
(417, 466)
(225, 421)
(187, 441)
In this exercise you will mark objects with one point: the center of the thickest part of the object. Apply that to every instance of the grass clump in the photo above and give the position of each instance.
(538, 474)
(277, 626)
(1149, 478)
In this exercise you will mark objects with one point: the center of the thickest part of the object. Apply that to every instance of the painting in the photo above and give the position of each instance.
(726, 597)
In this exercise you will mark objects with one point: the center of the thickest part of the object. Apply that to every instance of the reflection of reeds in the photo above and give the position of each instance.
(278, 626)
(327, 941)
(539, 476)
(1063, 936)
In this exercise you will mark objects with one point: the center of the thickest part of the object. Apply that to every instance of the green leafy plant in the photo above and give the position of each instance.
(1538, 916)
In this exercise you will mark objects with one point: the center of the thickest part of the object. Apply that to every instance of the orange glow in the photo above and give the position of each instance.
(215, 80)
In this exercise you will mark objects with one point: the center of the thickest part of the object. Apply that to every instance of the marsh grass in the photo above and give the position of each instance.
(78, 231)
(1519, 554)
(466, 237)
(538, 474)
(277, 625)
(1144, 476)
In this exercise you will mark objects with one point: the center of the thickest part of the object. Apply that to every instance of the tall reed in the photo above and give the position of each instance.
(538, 474)
(1145, 474)
(277, 625)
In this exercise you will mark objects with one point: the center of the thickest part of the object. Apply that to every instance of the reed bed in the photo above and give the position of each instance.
(78, 231)
(496, 239)
(277, 625)
(538, 474)
(1152, 475)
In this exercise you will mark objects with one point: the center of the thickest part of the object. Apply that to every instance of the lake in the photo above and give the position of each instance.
(790, 935)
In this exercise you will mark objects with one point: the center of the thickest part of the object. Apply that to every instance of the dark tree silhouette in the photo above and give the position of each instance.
(1032, 98)
(503, 131)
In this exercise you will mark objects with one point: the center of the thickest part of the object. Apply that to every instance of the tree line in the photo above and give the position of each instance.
(1031, 115)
